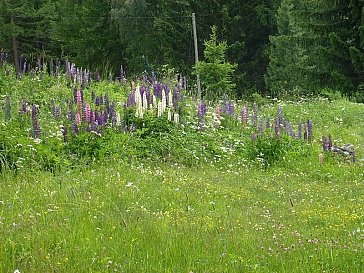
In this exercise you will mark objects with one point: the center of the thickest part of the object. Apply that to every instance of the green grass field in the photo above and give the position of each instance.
(142, 215)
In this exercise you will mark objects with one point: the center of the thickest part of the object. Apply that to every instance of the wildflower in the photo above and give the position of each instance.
(244, 115)
(321, 159)
(64, 132)
(309, 130)
(36, 128)
(202, 109)
(260, 127)
(78, 118)
(23, 109)
(278, 133)
(299, 130)
(253, 137)
(87, 112)
(176, 118)
(74, 128)
(131, 99)
(230, 109)
(96, 76)
(132, 128)
(267, 123)
(93, 95)
(255, 114)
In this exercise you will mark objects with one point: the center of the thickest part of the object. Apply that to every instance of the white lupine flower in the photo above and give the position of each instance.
(176, 118)
(145, 101)
(170, 99)
(159, 109)
(169, 115)
(154, 101)
(164, 102)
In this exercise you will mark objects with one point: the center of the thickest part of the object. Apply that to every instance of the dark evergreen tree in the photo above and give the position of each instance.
(316, 47)
(25, 29)
(85, 34)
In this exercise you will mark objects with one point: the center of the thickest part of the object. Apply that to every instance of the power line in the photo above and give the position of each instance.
(91, 17)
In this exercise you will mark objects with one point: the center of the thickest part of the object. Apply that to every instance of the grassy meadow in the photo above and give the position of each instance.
(175, 195)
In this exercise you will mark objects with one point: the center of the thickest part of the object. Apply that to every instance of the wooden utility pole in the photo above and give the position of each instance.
(15, 47)
(196, 54)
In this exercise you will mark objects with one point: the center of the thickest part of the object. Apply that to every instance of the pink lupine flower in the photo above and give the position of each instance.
(88, 112)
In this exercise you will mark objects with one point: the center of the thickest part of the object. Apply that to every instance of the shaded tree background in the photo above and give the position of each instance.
(281, 47)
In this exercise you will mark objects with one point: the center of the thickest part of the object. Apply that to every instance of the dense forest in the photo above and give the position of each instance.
(281, 48)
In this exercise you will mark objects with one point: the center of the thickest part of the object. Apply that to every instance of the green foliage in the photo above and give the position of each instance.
(215, 72)
(310, 52)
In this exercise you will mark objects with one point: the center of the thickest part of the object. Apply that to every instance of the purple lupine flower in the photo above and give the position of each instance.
(74, 128)
(64, 133)
(52, 105)
(32, 73)
(278, 134)
(57, 112)
(36, 128)
(245, 115)
(147, 94)
(253, 136)
(305, 134)
(97, 75)
(309, 130)
(104, 118)
(202, 109)
(131, 99)
(324, 143)
(329, 142)
(255, 114)
(7, 108)
(132, 128)
(267, 123)
(153, 76)
(7, 72)
(110, 78)
(280, 118)
(93, 95)
(23, 108)
(260, 127)
(299, 136)
(34, 111)
(230, 111)
(40, 75)
(98, 101)
(157, 90)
